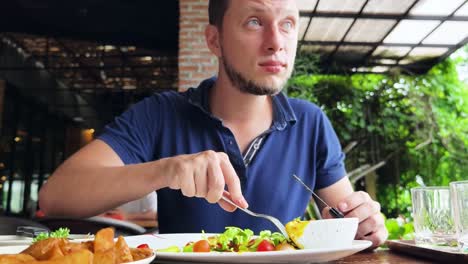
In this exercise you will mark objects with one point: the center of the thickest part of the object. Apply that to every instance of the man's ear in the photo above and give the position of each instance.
(212, 38)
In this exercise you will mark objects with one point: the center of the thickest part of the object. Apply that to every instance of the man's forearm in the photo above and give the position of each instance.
(79, 191)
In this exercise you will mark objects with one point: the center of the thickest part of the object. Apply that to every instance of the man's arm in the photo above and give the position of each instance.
(335, 193)
(356, 204)
(95, 180)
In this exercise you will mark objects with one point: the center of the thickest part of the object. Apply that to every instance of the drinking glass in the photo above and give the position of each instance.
(432, 213)
(459, 196)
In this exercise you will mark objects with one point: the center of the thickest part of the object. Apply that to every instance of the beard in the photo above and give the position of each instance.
(248, 86)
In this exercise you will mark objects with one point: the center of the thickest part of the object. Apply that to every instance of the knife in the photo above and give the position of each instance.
(333, 211)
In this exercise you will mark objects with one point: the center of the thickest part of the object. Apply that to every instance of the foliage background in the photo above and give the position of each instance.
(416, 125)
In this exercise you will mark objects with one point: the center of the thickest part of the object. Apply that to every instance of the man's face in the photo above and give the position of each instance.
(258, 44)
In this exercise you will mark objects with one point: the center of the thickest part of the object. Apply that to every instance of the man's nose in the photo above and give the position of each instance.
(273, 39)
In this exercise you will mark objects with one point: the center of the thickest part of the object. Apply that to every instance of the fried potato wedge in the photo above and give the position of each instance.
(122, 251)
(16, 258)
(141, 253)
(105, 257)
(79, 257)
(46, 249)
(104, 240)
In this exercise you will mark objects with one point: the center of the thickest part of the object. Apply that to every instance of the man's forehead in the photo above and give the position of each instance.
(282, 6)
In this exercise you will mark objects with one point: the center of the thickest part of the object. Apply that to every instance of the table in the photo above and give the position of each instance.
(381, 256)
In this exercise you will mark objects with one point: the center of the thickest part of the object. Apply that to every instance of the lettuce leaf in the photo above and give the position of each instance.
(59, 233)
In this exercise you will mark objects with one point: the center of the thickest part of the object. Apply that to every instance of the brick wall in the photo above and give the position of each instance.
(196, 62)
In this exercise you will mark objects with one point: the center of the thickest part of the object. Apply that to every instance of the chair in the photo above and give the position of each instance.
(9, 224)
(92, 225)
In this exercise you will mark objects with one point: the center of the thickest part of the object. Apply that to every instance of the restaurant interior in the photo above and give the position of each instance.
(68, 69)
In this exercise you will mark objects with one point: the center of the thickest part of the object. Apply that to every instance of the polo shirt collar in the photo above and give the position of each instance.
(283, 112)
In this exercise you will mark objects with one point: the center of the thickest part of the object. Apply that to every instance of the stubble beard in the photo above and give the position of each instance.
(248, 86)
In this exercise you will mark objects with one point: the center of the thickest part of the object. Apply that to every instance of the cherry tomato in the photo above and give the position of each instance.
(265, 245)
(143, 246)
(201, 246)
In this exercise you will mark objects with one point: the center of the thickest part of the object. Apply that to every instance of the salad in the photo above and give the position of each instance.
(235, 239)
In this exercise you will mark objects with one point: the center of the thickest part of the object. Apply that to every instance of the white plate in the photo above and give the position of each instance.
(14, 240)
(22, 240)
(18, 249)
(157, 241)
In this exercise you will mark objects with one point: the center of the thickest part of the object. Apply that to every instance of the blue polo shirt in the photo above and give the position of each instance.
(300, 141)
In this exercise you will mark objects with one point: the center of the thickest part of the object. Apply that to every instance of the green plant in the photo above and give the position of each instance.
(399, 228)
(414, 124)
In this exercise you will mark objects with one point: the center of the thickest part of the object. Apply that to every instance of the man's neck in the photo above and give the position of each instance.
(235, 107)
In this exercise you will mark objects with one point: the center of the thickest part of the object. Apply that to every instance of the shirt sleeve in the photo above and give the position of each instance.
(330, 157)
(133, 135)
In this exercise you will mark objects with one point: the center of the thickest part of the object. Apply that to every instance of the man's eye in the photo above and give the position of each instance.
(288, 25)
(253, 22)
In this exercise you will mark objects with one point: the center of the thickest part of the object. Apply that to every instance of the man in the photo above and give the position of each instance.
(236, 132)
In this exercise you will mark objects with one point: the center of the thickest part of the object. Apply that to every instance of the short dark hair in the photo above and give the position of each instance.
(216, 11)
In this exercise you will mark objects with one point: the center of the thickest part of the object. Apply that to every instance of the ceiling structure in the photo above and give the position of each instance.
(89, 67)
(91, 59)
(143, 23)
(88, 73)
(102, 55)
(382, 35)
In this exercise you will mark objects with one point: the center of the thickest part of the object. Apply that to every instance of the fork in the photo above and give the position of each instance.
(272, 219)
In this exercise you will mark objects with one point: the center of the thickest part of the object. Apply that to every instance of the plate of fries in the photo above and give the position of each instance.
(103, 249)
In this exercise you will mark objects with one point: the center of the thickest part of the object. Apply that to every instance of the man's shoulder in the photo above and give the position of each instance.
(170, 95)
(303, 107)
(166, 99)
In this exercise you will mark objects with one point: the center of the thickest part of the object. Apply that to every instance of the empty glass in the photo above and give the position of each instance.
(459, 196)
(433, 221)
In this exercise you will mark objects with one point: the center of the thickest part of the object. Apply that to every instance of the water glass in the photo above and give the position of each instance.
(432, 213)
(459, 196)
